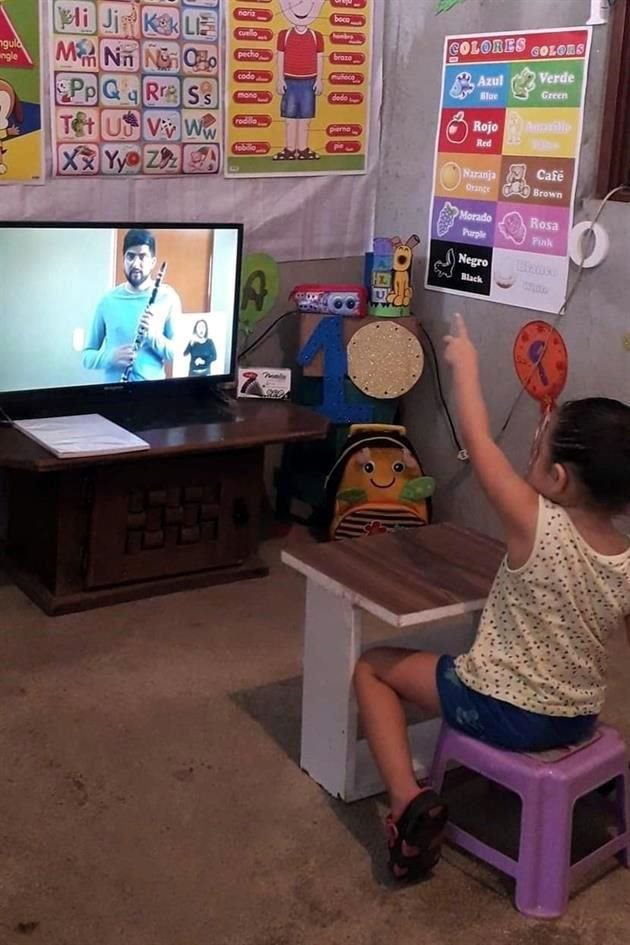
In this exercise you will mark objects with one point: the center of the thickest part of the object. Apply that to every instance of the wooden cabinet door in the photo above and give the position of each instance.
(161, 518)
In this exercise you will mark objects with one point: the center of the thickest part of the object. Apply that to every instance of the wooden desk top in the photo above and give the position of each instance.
(255, 423)
(406, 577)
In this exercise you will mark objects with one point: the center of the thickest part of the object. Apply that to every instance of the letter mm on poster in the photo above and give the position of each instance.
(135, 87)
(506, 162)
(297, 87)
(21, 138)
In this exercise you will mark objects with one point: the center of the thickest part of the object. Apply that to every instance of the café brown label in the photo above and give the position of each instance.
(536, 180)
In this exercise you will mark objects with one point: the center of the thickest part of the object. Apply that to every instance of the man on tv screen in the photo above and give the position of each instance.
(123, 316)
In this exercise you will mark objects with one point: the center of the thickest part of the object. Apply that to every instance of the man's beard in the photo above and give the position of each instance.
(135, 278)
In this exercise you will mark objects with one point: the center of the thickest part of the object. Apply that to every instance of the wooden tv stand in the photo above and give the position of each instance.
(92, 531)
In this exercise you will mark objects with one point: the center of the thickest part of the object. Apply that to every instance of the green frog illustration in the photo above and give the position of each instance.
(523, 83)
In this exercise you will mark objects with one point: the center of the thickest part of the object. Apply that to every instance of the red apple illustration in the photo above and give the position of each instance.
(457, 129)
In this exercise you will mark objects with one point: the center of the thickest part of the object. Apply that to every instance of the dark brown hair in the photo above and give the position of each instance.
(593, 437)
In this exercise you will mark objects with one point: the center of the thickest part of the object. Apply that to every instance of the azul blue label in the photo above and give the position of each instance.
(477, 86)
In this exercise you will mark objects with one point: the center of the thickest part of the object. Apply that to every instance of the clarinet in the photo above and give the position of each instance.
(140, 331)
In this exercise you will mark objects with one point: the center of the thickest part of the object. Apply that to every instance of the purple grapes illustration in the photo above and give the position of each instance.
(446, 219)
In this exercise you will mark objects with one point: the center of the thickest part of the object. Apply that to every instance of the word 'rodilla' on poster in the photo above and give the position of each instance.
(298, 87)
(136, 87)
(506, 161)
(21, 140)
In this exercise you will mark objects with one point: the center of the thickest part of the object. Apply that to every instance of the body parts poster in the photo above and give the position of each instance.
(21, 142)
(506, 163)
(136, 87)
(298, 79)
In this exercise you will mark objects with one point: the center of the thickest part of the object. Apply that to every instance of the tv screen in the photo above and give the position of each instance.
(85, 305)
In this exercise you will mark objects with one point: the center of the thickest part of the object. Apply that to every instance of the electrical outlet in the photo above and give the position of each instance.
(626, 341)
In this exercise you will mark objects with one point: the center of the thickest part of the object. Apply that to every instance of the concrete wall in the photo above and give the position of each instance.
(599, 313)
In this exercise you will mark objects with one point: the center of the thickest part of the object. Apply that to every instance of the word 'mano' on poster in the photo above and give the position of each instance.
(136, 87)
(297, 88)
(21, 140)
(506, 163)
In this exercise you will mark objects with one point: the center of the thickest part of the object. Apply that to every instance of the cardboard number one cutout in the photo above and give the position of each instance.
(328, 337)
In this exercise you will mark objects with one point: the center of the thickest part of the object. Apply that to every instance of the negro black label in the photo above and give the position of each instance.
(460, 267)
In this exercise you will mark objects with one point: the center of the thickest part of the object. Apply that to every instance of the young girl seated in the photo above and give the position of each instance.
(535, 677)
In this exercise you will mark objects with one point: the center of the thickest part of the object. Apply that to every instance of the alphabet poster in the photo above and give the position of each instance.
(298, 80)
(21, 141)
(506, 161)
(136, 87)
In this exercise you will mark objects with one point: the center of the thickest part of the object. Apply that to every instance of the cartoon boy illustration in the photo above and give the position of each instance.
(300, 76)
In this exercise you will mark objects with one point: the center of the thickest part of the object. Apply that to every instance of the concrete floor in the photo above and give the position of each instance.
(150, 793)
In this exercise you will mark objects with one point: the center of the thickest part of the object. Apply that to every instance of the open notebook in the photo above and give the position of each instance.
(81, 435)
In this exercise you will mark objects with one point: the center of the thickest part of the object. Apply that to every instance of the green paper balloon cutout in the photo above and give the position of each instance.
(260, 285)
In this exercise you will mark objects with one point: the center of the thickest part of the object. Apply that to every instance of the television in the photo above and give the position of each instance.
(92, 323)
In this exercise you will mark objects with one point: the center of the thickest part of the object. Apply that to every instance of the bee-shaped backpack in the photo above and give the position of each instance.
(377, 484)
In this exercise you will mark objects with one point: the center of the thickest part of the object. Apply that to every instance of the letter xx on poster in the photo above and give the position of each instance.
(506, 162)
(136, 87)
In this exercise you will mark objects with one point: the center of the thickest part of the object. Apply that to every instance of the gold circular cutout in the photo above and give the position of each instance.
(385, 360)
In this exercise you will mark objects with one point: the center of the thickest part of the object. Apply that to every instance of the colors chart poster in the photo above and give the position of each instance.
(297, 84)
(21, 140)
(506, 163)
(136, 86)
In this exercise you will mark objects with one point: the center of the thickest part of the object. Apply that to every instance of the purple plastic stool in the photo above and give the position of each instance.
(548, 791)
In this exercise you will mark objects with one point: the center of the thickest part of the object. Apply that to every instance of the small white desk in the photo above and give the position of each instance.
(420, 578)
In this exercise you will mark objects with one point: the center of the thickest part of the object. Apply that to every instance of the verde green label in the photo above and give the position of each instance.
(557, 84)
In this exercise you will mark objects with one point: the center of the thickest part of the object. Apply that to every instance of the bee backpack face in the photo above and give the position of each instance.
(377, 484)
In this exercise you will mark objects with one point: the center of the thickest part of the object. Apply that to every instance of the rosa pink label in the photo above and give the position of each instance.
(349, 4)
(533, 229)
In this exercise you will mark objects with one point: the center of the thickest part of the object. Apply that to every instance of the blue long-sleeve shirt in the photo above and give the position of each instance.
(115, 324)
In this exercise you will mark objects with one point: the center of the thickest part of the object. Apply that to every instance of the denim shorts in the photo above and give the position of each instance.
(299, 99)
(500, 723)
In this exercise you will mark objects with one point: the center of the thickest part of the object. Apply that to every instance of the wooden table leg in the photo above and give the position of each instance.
(332, 644)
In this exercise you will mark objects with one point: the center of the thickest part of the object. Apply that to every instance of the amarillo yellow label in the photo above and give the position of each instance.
(541, 132)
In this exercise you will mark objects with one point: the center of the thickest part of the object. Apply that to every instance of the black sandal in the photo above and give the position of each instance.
(420, 826)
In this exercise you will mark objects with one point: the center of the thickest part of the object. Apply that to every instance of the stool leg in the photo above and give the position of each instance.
(623, 815)
(439, 763)
(542, 881)
(332, 644)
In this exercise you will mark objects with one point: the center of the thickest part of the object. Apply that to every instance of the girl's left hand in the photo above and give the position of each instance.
(459, 352)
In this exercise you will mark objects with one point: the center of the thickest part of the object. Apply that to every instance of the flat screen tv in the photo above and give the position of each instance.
(101, 312)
